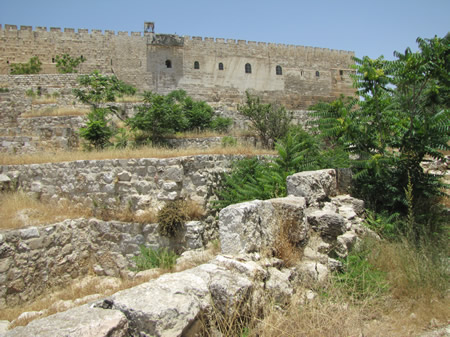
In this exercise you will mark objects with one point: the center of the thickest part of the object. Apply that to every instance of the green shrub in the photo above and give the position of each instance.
(229, 141)
(33, 66)
(360, 278)
(67, 64)
(97, 130)
(221, 124)
(4, 90)
(172, 217)
(154, 258)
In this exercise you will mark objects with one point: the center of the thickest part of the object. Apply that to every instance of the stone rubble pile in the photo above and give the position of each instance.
(314, 219)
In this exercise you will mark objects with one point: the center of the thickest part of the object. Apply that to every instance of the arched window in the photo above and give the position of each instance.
(248, 68)
(317, 74)
(168, 63)
(220, 66)
(196, 65)
(279, 70)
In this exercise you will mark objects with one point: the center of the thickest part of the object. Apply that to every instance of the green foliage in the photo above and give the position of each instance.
(33, 66)
(221, 124)
(162, 116)
(3, 90)
(402, 116)
(158, 117)
(66, 64)
(99, 89)
(229, 141)
(360, 278)
(154, 258)
(97, 130)
(171, 218)
(271, 123)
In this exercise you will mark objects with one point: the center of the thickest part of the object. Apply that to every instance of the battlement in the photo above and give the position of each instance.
(205, 41)
(13, 28)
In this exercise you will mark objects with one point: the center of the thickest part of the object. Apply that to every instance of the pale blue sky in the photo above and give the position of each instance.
(372, 28)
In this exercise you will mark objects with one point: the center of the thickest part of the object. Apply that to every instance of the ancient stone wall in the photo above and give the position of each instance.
(136, 183)
(34, 259)
(214, 70)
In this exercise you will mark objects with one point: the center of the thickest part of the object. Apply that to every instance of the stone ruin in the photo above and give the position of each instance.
(315, 218)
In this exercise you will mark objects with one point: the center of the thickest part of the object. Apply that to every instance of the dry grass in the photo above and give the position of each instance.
(284, 248)
(19, 209)
(44, 100)
(130, 99)
(146, 152)
(60, 111)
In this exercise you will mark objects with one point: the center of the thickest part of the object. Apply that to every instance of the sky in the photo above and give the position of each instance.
(372, 28)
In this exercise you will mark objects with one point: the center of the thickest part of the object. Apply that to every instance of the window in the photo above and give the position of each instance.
(196, 65)
(53, 60)
(248, 68)
(317, 74)
(341, 72)
(278, 70)
(220, 66)
(168, 63)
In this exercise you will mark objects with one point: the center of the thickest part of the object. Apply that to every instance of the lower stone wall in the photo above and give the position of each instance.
(136, 183)
(37, 258)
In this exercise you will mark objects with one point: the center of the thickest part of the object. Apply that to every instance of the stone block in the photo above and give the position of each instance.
(313, 185)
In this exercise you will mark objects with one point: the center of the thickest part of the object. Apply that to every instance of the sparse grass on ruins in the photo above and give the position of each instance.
(57, 111)
(18, 209)
(144, 152)
(130, 99)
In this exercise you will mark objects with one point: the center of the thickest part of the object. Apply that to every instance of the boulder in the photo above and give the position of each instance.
(313, 185)
(247, 227)
(82, 321)
(328, 224)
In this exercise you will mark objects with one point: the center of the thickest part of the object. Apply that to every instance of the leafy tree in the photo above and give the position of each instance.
(66, 64)
(270, 122)
(98, 90)
(98, 128)
(402, 116)
(33, 66)
(159, 116)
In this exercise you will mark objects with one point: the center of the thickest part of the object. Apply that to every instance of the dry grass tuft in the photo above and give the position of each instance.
(60, 111)
(130, 99)
(19, 209)
(284, 248)
(145, 152)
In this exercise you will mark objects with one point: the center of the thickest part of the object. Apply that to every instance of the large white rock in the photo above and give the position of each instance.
(329, 224)
(82, 321)
(313, 185)
(247, 227)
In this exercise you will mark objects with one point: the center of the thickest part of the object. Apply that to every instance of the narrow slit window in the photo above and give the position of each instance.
(279, 70)
(248, 68)
(168, 63)
(196, 65)
(317, 74)
(220, 66)
(341, 72)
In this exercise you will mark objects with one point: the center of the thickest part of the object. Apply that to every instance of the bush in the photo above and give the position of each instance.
(66, 64)
(33, 66)
(154, 258)
(270, 122)
(171, 218)
(229, 141)
(221, 124)
(97, 131)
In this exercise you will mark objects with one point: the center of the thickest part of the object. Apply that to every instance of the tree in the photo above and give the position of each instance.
(33, 66)
(66, 64)
(270, 122)
(98, 90)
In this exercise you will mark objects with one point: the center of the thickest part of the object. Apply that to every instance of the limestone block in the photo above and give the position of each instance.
(166, 306)
(247, 227)
(290, 212)
(278, 284)
(313, 185)
(124, 176)
(82, 321)
(193, 236)
(29, 233)
(328, 224)
(312, 270)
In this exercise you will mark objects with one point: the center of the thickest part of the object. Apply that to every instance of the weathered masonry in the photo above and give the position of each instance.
(215, 70)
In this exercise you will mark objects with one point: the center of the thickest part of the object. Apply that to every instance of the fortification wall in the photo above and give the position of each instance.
(161, 63)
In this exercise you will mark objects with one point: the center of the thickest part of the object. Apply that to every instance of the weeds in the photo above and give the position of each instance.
(154, 258)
